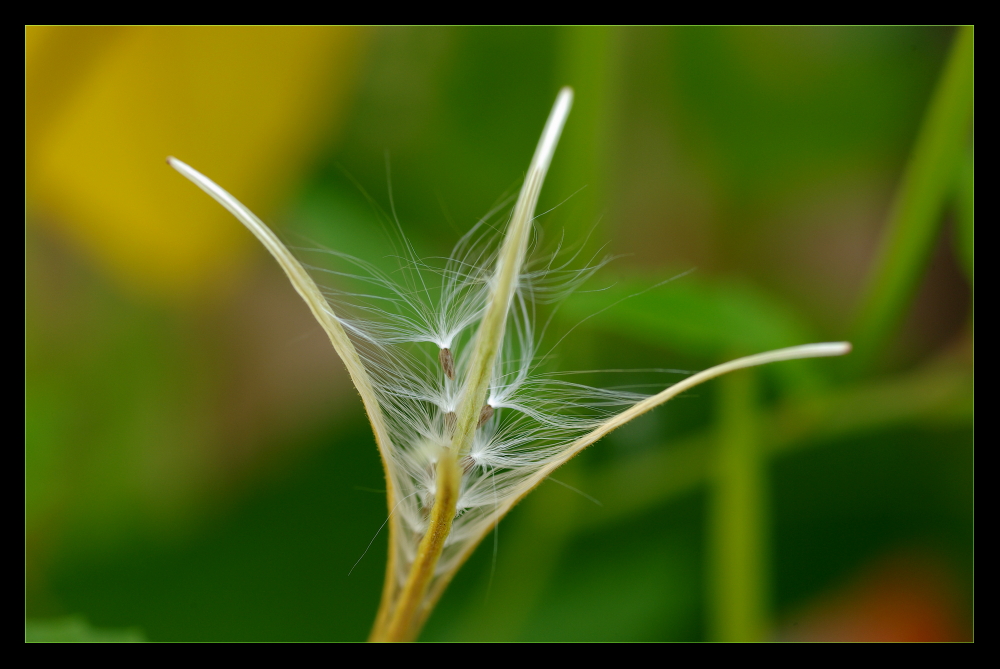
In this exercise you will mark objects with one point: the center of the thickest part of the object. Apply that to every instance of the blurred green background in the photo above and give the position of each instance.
(197, 466)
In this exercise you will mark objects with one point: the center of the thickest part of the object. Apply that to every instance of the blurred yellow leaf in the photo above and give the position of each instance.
(105, 106)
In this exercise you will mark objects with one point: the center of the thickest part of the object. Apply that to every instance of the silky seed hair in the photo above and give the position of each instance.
(415, 343)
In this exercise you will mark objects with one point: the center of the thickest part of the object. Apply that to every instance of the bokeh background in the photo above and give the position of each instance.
(197, 466)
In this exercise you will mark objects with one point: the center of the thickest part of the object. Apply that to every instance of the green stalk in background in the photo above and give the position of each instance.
(586, 61)
(737, 525)
(928, 182)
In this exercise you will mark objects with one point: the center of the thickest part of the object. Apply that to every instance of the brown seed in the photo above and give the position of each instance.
(449, 421)
(447, 362)
(484, 415)
(467, 464)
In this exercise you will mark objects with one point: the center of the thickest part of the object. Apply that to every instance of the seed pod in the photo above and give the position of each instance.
(449, 421)
(447, 363)
(484, 415)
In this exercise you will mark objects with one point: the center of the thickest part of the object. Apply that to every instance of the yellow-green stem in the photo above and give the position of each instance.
(406, 617)
(738, 524)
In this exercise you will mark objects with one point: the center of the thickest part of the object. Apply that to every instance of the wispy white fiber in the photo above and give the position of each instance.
(420, 345)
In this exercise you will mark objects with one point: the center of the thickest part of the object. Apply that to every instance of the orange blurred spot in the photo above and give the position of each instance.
(903, 598)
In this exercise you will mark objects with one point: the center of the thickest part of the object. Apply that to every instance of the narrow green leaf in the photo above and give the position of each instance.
(916, 214)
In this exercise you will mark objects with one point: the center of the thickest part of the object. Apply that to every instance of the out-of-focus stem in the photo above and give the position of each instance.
(738, 525)
(586, 59)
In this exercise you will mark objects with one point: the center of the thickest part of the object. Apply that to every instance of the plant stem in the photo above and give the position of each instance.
(408, 614)
(738, 524)
(410, 609)
(916, 213)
